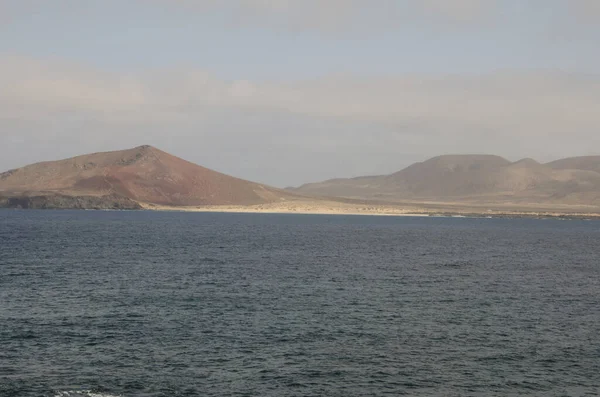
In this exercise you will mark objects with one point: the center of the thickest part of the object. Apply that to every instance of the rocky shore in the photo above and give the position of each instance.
(58, 201)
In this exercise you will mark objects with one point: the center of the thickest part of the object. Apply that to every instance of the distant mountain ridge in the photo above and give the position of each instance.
(146, 177)
(476, 178)
(140, 175)
(584, 163)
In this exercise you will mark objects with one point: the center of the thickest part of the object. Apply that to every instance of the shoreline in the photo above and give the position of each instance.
(326, 207)
(383, 212)
(474, 215)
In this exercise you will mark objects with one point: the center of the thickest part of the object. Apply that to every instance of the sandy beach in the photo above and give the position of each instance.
(428, 209)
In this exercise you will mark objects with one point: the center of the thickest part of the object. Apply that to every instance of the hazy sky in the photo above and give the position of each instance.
(291, 91)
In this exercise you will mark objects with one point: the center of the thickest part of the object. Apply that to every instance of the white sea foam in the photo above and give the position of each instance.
(84, 393)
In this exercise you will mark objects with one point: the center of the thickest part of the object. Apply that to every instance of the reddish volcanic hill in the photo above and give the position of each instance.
(143, 174)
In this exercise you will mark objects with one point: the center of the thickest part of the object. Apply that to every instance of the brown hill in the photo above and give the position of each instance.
(475, 178)
(141, 175)
(584, 163)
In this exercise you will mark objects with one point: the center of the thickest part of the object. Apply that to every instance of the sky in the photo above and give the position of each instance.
(285, 92)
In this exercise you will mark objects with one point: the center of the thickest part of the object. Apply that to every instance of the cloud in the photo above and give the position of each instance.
(335, 16)
(585, 7)
(458, 10)
(360, 17)
(5, 15)
(536, 103)
(65, 84)
(353, 16)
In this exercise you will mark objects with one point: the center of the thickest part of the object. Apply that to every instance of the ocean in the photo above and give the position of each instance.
(101, 303)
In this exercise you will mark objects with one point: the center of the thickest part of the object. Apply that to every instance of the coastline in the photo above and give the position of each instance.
(318, 207)
(397, 211)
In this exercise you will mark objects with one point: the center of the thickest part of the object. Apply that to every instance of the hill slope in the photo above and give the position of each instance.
(476, 178)
(140, 175)
(584, 163)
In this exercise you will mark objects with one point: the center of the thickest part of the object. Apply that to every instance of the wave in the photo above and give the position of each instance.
(84, 393)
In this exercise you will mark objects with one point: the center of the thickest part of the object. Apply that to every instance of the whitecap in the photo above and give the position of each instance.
(84, 393)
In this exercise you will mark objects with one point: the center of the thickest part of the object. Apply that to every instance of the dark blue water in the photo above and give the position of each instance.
(184, 304)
